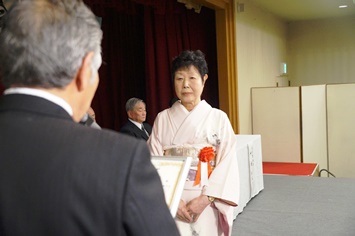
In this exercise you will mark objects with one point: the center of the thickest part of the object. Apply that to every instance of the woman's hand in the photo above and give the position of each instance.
(196, 206)
(183, 214)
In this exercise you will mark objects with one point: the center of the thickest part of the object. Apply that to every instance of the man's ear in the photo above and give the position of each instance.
(129, 114)
(84, 73)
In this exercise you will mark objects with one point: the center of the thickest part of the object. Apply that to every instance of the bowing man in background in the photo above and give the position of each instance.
(51, 181)
(89, 119)
(135, 126)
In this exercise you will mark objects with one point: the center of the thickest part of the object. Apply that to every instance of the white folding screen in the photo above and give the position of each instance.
(276, 117)
(310, 124)
(314, 125)
(341, 129)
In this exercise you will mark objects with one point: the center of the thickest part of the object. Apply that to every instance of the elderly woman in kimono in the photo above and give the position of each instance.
(191, 127)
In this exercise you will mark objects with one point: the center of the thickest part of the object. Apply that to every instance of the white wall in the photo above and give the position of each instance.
(321, 51)
(261, 47)
(317, 52)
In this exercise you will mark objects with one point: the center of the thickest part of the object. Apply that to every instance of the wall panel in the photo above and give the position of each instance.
(276, 117)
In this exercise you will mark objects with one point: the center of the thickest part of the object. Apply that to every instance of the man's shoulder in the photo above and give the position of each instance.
(127, 127)
(147, 125)
(128, 123)
(107, 134)
(104, 137)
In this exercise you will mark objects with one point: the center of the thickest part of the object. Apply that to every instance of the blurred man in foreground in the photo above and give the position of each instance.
(58, 177)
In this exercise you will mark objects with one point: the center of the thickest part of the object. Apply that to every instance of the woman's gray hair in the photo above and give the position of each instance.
(43, 42)
(131, 103)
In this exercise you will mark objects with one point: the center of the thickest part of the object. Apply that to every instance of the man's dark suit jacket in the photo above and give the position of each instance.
(58, 177)
(131, 129)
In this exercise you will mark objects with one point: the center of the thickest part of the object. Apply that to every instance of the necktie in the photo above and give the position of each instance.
(143, 129)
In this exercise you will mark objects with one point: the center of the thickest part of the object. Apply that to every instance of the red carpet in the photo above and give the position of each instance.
(289, 168)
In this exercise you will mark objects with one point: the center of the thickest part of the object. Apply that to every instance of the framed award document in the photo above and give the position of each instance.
(173, 171)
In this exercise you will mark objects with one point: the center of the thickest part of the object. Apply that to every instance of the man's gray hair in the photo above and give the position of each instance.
(132, 102)
(43, 42)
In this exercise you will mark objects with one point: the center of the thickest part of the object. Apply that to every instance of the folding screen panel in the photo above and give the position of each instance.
(341, 129)
(314, 125)
(276, 117)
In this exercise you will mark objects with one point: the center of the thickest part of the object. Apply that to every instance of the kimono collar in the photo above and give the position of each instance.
(186, 122)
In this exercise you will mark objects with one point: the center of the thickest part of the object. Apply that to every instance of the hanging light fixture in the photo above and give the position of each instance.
(190, 4)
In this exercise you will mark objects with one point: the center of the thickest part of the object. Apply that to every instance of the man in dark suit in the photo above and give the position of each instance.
(58, 177)
(136, 125)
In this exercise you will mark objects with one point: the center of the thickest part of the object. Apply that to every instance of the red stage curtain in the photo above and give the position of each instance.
(167, 33)
(140, 40)
(122, 73)
(141, 37)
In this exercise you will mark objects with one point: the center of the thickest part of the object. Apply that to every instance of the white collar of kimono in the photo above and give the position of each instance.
(185, 122)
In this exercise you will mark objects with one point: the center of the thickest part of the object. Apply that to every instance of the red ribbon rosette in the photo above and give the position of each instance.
(206, 155)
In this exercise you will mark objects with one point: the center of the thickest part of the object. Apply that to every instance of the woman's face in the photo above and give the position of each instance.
(189, 86)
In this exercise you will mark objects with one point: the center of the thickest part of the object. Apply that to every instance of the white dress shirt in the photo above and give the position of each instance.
(139, 125)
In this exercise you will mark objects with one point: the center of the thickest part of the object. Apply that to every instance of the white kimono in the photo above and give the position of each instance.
(203, 126)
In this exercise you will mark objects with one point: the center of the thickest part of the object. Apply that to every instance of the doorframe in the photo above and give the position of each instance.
(226, 57)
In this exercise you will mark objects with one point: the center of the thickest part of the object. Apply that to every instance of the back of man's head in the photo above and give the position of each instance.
(43, 42)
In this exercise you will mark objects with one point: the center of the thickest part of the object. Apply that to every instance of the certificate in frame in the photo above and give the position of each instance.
(173, 171)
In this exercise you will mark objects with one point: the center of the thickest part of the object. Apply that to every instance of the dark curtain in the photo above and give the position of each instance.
(122, 73)
(141, 37)
(169, 29)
